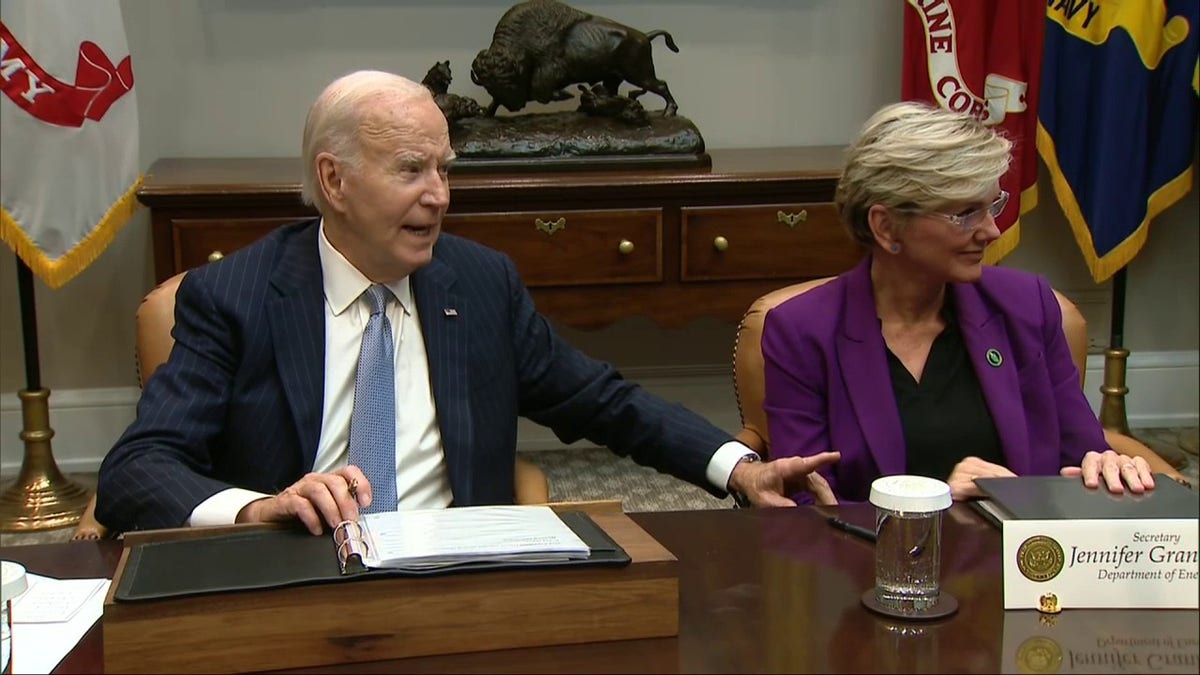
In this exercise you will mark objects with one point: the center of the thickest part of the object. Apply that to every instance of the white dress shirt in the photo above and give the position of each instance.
(421, 478)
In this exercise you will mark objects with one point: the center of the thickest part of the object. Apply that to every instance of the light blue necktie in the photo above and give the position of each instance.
(373, 418)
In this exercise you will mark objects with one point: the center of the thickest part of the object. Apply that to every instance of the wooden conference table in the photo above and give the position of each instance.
(777, 590)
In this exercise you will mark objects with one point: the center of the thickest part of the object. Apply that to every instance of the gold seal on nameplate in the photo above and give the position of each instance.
(1039, 655)
(1048, 604)
(1040, 558)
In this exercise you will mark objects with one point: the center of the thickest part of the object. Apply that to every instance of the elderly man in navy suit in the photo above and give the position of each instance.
(366, 349)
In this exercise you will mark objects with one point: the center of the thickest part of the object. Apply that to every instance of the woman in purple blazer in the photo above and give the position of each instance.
(921, 360)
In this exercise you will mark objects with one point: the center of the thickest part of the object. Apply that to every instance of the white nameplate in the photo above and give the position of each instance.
(1151, 563)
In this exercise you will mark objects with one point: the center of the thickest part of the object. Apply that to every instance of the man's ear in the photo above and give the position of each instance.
(884, 227)
(329, 180)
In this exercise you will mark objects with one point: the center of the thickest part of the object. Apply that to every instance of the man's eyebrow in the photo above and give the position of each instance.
(410, 156)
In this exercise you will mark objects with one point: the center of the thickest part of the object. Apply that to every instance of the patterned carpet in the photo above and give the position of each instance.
(598, 474)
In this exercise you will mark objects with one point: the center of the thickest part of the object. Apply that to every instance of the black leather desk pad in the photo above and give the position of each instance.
(1058, 497)
(279, 558)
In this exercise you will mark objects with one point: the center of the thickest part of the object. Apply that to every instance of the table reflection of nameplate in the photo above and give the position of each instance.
(1067, 564)
(1101, 641)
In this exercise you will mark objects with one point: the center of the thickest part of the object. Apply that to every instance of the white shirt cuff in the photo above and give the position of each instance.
(720, 467)
(223, 507)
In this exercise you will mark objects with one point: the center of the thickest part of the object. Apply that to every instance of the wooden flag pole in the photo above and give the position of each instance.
(1112, 405)
(41, 498)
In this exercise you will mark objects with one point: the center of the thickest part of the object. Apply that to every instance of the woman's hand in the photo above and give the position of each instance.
(1118, 471)
(962, 478)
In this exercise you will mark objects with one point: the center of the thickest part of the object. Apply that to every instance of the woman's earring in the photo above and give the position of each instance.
(895, 248)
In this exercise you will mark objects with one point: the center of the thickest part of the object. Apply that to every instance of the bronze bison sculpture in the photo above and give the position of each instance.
(541, 47)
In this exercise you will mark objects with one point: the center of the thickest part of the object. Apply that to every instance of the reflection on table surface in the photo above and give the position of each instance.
(778, 590)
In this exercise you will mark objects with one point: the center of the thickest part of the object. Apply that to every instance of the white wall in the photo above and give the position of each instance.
(234, 78)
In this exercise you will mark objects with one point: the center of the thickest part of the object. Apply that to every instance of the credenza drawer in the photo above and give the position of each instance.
(764, 242)
(572, 248)
(595, 246)
(202, 240)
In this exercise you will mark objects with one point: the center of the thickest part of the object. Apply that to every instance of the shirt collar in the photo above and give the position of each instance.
(344, 284)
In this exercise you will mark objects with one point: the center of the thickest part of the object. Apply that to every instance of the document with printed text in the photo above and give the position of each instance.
(436, 538)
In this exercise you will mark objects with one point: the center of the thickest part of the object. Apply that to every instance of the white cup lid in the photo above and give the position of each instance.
(912, 494)
(12, 580)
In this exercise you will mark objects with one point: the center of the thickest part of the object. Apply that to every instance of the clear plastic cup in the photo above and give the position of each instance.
(908, 547)
(12, 584)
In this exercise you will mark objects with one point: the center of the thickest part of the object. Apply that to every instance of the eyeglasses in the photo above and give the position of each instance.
(968, 222)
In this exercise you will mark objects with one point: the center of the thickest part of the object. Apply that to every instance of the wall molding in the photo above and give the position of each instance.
(1164, 392)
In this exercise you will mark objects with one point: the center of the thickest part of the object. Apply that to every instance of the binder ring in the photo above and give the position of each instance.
(342, 532)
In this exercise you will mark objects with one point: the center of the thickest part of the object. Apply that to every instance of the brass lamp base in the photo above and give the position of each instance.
(42, 498)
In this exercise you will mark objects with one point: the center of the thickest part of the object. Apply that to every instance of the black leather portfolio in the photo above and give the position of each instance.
(1061, 498)
(278, 558)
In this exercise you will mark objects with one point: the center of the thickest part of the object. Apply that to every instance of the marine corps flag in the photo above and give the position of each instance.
(1118, 118)
(68, 132)
(983, 57)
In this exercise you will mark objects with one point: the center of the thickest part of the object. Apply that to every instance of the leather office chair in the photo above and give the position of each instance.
(154, 320)
(749, 386)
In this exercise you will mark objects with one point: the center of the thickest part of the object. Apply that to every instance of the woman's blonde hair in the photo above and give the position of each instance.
(335, 118)
(915, 157)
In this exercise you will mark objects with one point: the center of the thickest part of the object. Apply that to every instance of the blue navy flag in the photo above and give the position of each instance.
(1117, 118)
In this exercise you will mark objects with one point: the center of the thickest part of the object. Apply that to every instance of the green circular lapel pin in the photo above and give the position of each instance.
(994, 359)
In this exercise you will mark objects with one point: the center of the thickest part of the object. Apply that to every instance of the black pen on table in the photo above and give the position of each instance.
(856, 530)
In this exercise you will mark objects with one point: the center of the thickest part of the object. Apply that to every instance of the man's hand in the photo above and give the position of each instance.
(317, 500)
(962, 478)
(1118, 471)
(770, 483)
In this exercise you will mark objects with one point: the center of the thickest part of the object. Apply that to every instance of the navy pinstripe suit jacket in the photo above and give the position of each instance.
(238, 403)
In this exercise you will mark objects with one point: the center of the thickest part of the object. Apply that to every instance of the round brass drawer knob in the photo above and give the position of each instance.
(215, 256)
(625, 247)
(720, 243)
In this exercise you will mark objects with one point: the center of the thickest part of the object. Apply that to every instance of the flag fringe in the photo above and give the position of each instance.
(1008, 241)
(1104, 266)
(56, 273)
(1012, 236)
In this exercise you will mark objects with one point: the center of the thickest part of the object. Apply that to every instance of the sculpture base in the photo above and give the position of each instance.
(472, 165)
(574, 141)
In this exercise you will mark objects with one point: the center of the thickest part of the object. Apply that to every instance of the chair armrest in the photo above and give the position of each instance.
(530, 484)
(88, 527)
(1127, 445)
(749, 438)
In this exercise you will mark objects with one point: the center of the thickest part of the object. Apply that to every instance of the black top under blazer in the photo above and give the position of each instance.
(238, 403)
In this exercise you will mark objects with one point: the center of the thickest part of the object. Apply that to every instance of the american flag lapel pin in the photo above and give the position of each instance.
(450, 311)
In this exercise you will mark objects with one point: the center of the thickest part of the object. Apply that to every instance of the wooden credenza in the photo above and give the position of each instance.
(594, 247)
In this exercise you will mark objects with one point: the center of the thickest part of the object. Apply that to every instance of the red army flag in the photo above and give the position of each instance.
(68, 133)
(983, 57)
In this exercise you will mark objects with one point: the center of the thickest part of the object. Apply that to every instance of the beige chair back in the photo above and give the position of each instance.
(154, 320)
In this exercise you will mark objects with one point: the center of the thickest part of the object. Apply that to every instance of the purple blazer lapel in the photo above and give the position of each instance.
(862, 357)
(991, 355)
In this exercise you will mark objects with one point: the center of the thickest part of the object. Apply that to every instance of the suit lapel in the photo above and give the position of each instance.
(983, 332)
(444, 316)
(862, 357)
(298, 334)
